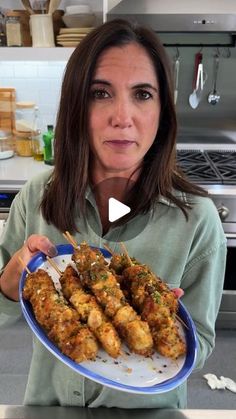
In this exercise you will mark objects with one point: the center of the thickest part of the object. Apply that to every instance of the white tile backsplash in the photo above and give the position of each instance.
(6, 70)
(35, 81)
(24, 71)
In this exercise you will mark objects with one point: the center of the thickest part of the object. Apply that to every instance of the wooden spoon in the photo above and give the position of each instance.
(53, 5)
(27, 6)
(46, 5)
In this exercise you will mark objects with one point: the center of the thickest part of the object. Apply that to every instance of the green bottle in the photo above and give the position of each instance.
(48, 146)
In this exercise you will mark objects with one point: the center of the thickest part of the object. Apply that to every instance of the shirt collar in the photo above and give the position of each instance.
(178, 194)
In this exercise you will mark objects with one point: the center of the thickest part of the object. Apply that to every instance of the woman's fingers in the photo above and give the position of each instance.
(36, 243)
(178, 292)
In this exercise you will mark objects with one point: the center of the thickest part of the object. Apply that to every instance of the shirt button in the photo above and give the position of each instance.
(76, 393)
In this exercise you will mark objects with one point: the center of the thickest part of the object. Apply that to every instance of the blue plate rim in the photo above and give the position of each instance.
(166, 385)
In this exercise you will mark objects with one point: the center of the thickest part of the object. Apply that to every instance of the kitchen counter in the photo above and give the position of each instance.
(38, 412)
(17, 170)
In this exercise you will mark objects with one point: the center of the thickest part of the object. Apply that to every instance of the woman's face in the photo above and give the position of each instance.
(124, 111)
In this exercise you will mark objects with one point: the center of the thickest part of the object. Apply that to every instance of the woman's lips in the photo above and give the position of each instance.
(119, 143)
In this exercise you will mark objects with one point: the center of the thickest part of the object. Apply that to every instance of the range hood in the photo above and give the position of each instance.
(179, 16)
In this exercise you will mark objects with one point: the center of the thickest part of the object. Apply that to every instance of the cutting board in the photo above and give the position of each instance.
(7, 108)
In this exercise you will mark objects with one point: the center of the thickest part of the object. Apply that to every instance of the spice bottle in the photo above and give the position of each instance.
(48, 138)
(13, 31)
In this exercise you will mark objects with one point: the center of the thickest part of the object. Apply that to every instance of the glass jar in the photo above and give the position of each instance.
(26, 117)
(6, 145)
(13, 31)
(24, 143)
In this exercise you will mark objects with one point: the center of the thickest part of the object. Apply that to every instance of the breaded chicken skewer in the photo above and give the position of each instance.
(90, 312)
(60, 321)
(158, 307)
(155, 302)
(131, 328)
(106, 289)
(94, 273)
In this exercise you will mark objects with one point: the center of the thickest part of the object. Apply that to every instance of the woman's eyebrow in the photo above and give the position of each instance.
(145, 86)
(100, 81)
(136, 86)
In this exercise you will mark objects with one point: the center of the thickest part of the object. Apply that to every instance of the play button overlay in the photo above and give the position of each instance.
(116, 210)
(115, 201)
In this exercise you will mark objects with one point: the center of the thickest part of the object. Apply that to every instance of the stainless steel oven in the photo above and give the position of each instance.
(7, 194)
(211, 163)
(227, 209)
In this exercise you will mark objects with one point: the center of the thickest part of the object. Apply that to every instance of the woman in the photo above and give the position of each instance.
(117, 121)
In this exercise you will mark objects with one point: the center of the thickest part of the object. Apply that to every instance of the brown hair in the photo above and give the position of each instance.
(159, 174)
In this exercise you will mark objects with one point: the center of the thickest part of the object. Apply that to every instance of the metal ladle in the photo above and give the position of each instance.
(214, 97)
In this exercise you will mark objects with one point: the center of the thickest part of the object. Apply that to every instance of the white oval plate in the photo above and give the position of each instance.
(130, 373)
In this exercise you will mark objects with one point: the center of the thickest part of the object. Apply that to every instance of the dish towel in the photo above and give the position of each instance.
(221, 383)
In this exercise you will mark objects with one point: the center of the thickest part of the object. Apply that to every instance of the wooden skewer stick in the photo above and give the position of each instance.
(24, 265)
(54, 265)
(70, 239)
(181, 321)
(126, 253)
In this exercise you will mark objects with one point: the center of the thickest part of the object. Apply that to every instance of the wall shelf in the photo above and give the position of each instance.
(35, 54)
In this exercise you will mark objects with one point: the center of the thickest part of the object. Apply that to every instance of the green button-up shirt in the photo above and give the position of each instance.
(188, 254)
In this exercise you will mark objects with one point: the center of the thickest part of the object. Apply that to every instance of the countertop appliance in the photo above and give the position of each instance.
(210, 161)
(187, 16)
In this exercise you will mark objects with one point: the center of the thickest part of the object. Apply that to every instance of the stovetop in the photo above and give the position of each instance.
(209, 166)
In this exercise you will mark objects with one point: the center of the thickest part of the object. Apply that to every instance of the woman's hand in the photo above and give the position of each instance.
(9, 281)
(178, 292)
(36, 243)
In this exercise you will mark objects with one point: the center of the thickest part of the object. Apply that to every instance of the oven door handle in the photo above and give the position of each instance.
(230, 236)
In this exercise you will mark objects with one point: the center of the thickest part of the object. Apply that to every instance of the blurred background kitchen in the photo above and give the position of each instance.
(200, 38)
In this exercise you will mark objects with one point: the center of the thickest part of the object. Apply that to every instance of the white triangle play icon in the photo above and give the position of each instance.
(116, 209)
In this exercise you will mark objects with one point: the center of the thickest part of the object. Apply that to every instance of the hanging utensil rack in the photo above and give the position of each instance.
(198, 39)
